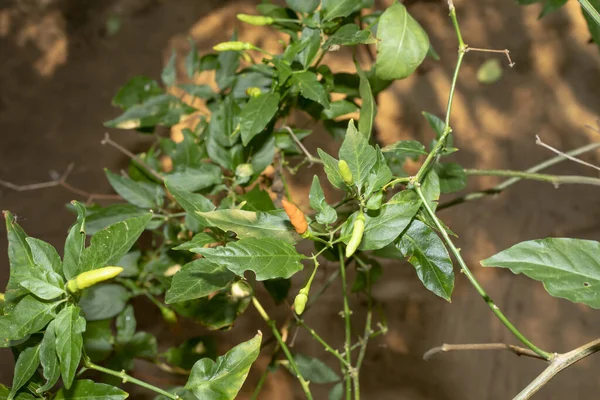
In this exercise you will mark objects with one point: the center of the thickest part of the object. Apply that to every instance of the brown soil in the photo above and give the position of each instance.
(60, 69)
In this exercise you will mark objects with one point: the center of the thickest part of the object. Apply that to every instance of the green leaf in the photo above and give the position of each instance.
(227, 63)
(402, 44)
(490, 71)
(19, 256)
(192, 59)
(69, 325)
(248, 224)
(315, 370)
(198, 241)
(223, 378)
(190, 351)
(103, 301)
(368, 109)
(326, 213)
(25, 367)
(311, 88)
(278, 289)
(46, 285)
(109, 245)
(141, 194)
(190, 202)
(452, 177)
(313, 37)
(217, 312)
(592, 23)
(197, 178)
(336, 392)
(268, 258)
(49, 359)
(435, 122)
(426, 251)
(379, 176)
(339, 8)
(406, 149)
(257, 114)
(136, 91)
(197, 279)
(391, 221)
(568, 268)
(169, 73)
(330, 165)
(257, 200)
(303, 6)
(338, 108)
(431, 189)
(85, 389)
(98, 339)
(201, 91)
(360, 156)
(29, 316)
(163, 109)
(349, 35)
(106, 216)
(126, 324)
(75, 244)
(45, 255)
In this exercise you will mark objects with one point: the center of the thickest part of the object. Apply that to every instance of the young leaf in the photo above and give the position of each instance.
(75, 244)
(339, 8)
(402, 45)
(223, 378)
(568, 268)
(338, 108)
(106, 216)
(330, 165)
(315, 370)
(49, 359)
(25, 367)
(257, 200)
(227, 63)
(313, 37)
(349, 35)
(360, 156)
(431, 189)
(326, 213)
(257, 114)
(198, 241)
(169, 73)
(29, 316)
(379, 175)
(126, 324)
(452, 177)
(268, 258)
(85, 389)
(110, 244)
(46, 285)
(311, 88)
(98, 339)
(103, 301)
(163, 109)
(19, 256)
(336, 392)
(141, 194)
(190, 351)
(136, 91)
(426, 251)
(303, 6)
(69, 326)
(196, 178)
(45, 255)
(406, 149)
(368, 109)
(248, 224)
(197, 279)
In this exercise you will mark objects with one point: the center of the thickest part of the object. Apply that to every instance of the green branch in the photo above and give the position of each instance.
(348, 328)
(556, 180)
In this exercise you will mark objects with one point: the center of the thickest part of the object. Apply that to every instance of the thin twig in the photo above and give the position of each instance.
(109, 141)
(509, 182)
(558, 363)
(506, 52)
(538, 141)
(311, 159)
(556, 180)
(62, 181)
(444, 348)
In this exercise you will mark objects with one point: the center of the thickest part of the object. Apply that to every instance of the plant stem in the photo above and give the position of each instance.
(444, 348)
(545, 355)
(367, 333)
(509, 182)
(304, 383)
(558, 363)
(127, 378)
(554, 179)
(326, 345)
(592, 12)
(260, 384)
(348, 328)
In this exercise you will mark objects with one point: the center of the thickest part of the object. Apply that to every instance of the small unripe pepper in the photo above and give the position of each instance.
(357, 234)
(257, 20)
(301, 300)
(345, 172)
(233, 46)
(296, 217)
(90, 278)
(253, 91)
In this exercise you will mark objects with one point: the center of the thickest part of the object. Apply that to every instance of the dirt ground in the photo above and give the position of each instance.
(60, 66)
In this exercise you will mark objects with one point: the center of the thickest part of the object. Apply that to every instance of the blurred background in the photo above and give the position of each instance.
(61, 61)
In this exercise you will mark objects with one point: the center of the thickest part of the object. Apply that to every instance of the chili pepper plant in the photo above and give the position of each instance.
(207, 219)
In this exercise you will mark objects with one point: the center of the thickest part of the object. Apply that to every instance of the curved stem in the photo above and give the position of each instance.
(554, 179)
(558, 363)
(128, 378)
(545, 355)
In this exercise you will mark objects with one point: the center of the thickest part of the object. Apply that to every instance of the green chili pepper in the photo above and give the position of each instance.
(257, 20)
(233, 46)
(90, 278)
(301, 300)
(357, 234)
(345, 172)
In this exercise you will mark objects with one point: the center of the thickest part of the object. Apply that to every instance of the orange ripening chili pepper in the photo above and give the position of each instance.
(296, 216)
